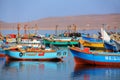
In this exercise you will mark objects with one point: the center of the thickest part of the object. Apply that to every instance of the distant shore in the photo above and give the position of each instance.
(82, 22)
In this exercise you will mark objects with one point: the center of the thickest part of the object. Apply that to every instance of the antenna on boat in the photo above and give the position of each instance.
(25, 29)
(115, 29)
(108, 28)
(74, 28)
(56, 30)
(104, 26)
(68, 28)
(36, 29)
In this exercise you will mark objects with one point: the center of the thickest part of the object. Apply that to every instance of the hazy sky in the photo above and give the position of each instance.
(28, 10)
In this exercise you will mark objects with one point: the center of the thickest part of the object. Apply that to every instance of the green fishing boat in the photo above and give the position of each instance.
(61, 41)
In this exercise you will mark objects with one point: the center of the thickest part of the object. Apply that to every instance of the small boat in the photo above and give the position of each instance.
(86, 56)
(92, 42)
(32, 53)
(110, 44)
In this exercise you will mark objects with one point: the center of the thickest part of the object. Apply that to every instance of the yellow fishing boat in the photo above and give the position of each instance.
(91, 44)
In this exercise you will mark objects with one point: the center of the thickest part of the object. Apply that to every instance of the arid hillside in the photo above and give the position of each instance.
(82, 22)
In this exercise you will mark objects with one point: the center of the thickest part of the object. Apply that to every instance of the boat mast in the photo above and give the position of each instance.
(25, 31)
(18, 28)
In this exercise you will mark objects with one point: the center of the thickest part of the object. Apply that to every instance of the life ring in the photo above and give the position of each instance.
(20, 54)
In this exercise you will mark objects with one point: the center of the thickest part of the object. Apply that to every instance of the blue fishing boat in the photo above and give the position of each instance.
(86, 56)
(110, 44)
(35, 54)
(90, 39)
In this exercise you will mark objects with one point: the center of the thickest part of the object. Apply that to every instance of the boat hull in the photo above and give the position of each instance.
(60, 42)
(108, 59)
(11, 54)
(110, 46)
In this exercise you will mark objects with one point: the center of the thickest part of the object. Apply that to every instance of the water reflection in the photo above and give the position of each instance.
(96, 73)
(2, 61)
(34, 70)
(37, 70)
(35, 65)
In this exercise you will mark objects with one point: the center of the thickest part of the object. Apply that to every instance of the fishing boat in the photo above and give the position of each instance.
(110, 43)
(61, 41)
(85, 56)
(11, 38)
(68, 38)
(30, 41)
(33, 53)
(85, 43)
(92, 42)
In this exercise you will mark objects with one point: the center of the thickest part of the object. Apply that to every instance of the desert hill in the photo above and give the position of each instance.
(82, 22)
